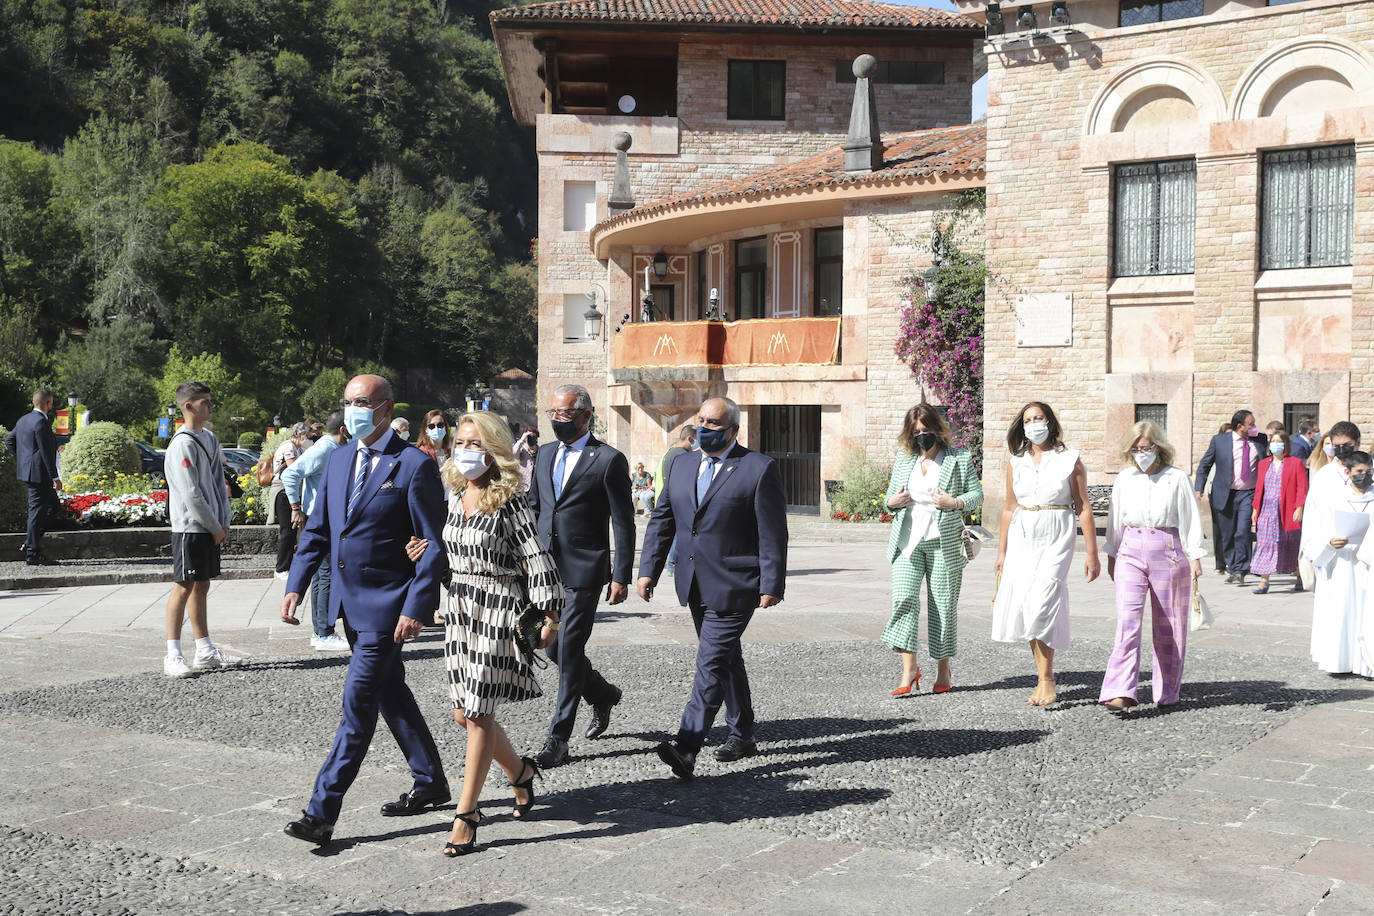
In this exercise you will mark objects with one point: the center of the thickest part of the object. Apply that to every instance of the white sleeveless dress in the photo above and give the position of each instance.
(1033, 598)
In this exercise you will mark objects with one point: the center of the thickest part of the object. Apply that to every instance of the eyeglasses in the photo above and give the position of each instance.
(436, 426)
(711, 423)
(365, 403)
(1142, 450)
(563, 414)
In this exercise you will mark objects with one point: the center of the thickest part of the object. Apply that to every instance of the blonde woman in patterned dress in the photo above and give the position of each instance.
(497, 563)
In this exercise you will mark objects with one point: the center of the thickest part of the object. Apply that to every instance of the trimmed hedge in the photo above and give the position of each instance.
(101, 449)
(250, 441)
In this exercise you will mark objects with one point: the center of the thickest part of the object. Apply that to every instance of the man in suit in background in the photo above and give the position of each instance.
(377, 492)
(1305, 439)
(580, 485)
(727, 508)
(1236, 455)
(35, 453)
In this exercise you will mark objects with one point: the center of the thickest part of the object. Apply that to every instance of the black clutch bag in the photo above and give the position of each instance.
(528, 631)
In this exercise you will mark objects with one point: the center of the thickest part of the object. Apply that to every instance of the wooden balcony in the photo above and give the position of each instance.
(780, 342)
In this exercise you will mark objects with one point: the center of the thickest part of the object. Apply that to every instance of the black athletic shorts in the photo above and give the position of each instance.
(195, 557)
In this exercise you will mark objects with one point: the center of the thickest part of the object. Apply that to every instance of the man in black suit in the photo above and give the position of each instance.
(580, 485)
(727, 508)
(1236, 455)
(35, 453)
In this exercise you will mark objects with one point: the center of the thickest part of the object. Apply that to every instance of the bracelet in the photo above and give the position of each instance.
(554, 626)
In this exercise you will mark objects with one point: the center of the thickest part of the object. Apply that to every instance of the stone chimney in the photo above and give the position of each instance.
(621, 199)
(863, 151)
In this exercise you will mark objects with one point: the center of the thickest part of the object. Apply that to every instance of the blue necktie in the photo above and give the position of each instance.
(359, 481)
(704, 480)
(558, 471)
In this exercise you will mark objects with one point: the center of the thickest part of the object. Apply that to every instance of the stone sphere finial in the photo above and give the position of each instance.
(621, 141)
(865, 65)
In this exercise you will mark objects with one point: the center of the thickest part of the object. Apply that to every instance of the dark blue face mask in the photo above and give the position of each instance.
(713, 440)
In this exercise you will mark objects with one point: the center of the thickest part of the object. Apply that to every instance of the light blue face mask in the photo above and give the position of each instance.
(1276, 448)
(437, 434)
(358, 421)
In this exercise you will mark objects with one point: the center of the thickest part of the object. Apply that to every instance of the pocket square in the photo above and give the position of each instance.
(387, 485)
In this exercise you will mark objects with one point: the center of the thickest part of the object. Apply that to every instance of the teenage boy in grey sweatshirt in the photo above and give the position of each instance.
(198, 509)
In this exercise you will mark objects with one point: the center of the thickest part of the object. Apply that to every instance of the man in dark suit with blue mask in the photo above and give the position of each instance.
(580, 490)
(1236, 456)
(726, 506)
(35, 453)
(377, 493)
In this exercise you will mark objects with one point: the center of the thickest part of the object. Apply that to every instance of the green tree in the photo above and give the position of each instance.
(36, 241)
(227, 388)
(109, 369)
(322, 396)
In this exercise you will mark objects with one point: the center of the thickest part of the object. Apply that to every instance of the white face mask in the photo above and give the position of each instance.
(404, 434)
(471, 463)
(1037, 431)
(1143, 460)
(1330, 450)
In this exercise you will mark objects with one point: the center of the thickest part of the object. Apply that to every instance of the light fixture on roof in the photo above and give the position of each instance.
(996, 25)
(1059, 12)
(1025, 20)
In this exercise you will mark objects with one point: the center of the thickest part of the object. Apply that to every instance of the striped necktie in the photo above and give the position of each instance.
(359, 480)
(704, 480)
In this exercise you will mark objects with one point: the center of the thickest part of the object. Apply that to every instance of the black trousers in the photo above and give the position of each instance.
(577, 679)
(43, 504)
(286, 535)
(1235, 531)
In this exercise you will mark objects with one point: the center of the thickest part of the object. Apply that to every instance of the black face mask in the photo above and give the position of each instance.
(566, 430)
(925, 442)
(1361, 480)
(1345, 450)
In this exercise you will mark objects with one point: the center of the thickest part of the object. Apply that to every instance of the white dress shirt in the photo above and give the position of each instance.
(377, 449)
(572, 451)
(1164, 499)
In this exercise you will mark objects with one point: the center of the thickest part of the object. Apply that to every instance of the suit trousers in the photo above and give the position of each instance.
(43, 504)
(1235, 531)
(720, 675)
(375, 683)
(577, 679)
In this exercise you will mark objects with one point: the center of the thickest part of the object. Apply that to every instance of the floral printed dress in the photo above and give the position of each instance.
(498, 567)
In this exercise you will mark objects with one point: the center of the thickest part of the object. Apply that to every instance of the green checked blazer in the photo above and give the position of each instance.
(958, 479)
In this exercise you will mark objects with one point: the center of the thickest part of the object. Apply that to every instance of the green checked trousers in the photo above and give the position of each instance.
(902, 633)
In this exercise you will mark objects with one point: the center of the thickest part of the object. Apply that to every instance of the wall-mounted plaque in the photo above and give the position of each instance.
(1044, 320)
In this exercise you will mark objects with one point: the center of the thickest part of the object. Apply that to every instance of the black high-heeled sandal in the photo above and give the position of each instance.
(453, 850)
(523, 808)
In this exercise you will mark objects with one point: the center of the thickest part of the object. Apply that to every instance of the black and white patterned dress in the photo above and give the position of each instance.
(497, 561)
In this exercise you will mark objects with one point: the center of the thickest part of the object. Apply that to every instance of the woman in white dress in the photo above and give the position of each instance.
(1341, 604)
(1046, 487)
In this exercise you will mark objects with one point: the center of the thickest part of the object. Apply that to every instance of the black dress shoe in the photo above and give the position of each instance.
(680, 760)
(734, 749)
(42, 560)
(554, 754)
(1231, 578)
(601, 714)
(311, 829)
(416, 801)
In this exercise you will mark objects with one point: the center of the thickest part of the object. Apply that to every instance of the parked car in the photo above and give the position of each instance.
(154, 460)
(240, 460)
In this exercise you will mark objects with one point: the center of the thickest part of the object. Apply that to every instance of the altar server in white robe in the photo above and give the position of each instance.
(1341, 605)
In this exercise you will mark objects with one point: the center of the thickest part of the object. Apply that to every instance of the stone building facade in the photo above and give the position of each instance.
(1271, 306)
(704, 178)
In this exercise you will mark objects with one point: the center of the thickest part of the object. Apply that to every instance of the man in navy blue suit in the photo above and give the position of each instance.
(1236, 455)
(377, 492)
(725, 504)
(35, 453)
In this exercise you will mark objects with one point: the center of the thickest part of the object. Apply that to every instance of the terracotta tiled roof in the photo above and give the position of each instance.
(796, 14)
(914, 154)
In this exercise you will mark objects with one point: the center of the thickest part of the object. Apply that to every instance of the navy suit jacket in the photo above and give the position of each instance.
(372, 582)
(573, 528)
(35, 449)
(1219, 452)
(734, 544)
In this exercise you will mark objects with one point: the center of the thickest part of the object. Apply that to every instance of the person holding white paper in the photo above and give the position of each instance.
(1333, 532)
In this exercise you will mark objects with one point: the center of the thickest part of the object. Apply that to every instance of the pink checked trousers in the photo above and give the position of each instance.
(1150, 561)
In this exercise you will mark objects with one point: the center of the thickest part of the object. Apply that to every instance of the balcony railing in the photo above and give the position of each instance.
(754, 342)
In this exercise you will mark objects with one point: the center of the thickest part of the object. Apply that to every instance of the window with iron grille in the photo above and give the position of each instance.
(1158, 414)
(1154, 207)
(1294, 413)
(1140, 12)
(1307, 207)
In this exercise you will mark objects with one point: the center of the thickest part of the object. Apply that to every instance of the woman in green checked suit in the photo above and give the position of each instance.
(932, 485)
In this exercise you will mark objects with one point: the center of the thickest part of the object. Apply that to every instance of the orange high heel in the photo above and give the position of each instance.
(907, 690)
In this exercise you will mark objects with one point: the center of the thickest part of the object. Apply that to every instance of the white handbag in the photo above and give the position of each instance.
(1200, 617)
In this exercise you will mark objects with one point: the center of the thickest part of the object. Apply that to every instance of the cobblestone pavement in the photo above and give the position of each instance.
(122, 792)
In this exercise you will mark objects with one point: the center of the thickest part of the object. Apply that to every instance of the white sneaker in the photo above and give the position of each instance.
(175, 666)
(283, 576)
(215, 658)
(331, 643)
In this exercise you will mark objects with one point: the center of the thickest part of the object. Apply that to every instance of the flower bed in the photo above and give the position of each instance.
(861, 517)
(97, 509)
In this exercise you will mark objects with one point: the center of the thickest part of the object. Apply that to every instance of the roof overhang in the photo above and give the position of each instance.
(680, 225)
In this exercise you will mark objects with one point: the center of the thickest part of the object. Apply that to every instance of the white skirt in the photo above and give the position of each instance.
(1033, 596)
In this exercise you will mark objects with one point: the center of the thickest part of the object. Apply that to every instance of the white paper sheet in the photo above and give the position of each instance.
(1351, 526)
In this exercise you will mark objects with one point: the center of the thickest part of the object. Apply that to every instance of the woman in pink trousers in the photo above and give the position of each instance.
(1154, 551)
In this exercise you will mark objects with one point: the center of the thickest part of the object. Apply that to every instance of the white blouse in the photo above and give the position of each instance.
(1164, 499)
(922, 488)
